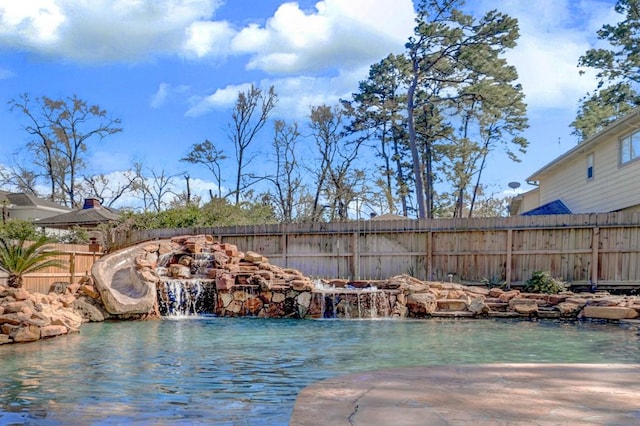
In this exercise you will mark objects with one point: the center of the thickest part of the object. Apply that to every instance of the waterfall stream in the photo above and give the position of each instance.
(198, 284)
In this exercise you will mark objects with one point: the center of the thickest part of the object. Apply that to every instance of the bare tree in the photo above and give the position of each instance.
(107, 189)
(287, 179)
(250, 113)
(61, 129)
(208, 155)
(153, 190)
(19, 178)
(337, 178)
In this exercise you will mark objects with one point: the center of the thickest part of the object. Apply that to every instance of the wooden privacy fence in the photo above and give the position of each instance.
(584, 250)
(79, 259)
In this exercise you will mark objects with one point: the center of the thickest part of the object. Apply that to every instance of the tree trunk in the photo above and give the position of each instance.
(413, 143)
(477, 185)
(15, 281)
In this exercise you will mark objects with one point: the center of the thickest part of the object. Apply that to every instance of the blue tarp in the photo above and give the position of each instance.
(553, 207)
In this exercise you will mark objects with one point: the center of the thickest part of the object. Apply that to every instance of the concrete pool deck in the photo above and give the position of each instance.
(485, 394)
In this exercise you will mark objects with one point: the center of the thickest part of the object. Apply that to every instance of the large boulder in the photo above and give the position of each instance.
(609, 312)
(30, 333)
(523, 306)
(123, 286)
(421, 304)
(568, 309)
(478, 306)
(87, 311)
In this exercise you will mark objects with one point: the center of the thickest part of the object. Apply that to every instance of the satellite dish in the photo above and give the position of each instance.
(514, 185)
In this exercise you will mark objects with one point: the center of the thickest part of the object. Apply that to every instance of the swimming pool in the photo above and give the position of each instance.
(244, 371)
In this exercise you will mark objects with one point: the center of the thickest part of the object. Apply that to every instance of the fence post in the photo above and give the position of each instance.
(429, 256)
(509, 255)
(355, 258)
(595, 245)
(283, 243)
(72, 267)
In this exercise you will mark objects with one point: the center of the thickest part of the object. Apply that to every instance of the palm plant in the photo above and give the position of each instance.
(18, 258)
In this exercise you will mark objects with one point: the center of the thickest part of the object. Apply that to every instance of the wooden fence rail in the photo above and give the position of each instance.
(584, 250)
(78, 258)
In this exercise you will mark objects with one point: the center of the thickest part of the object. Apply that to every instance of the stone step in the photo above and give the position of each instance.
(548, 314)
(451, 304)
(503, 315)
(453, 314)
(498, 306)
(279, 287)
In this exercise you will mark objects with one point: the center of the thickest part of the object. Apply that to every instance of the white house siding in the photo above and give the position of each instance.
(635, 208)
(530, 200)
(612, 188)
(33, 213)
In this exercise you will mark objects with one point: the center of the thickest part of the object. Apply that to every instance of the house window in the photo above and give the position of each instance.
(590, 166)
(630, 147)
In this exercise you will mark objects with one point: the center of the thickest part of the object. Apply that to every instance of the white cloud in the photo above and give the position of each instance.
(5, 73)
(289, 28)
(199, 188)
(208, 38)
(296, 94)
(220, 99)
(549, 74)
(158, 99)
(35, 22)
(327, 51)
(167, 93)
(336, 37)
(101, 30)
(340, 34)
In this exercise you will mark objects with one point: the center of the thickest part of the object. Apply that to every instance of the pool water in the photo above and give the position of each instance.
(243, 371)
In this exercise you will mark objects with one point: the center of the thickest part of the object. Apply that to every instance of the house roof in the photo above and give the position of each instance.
(84, 217)
(389, 216)
(553, 207)
(21, 199)
(629, 121)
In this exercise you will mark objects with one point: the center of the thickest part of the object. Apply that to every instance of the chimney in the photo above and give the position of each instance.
(90, 203)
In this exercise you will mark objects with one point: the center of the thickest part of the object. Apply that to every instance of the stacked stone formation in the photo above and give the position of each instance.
(246, 283)
(456, 300)
(27, 317)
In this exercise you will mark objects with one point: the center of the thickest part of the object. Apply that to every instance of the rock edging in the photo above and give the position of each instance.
(27, 317)
(448, 299)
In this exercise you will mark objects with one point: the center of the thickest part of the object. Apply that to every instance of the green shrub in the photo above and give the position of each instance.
(18, 229)
(493, 282)
(76, 235)
(543, 282)
(19, 258)
(217, 212)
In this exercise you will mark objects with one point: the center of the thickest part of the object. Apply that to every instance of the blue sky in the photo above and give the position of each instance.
(171, 70)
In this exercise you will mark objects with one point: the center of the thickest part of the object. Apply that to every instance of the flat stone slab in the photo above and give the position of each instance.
(486, 394)
(453, 314)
